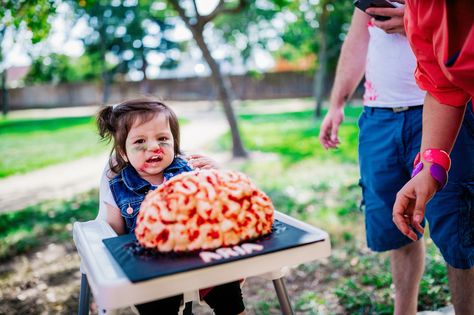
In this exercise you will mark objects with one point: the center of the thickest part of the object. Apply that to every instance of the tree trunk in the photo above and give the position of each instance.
(3, 77)
(319, 81)
(5, 106)
(145, 84)
(224, 90)
(196, 26)
(320, 74)
(106, 80)
(106, 75)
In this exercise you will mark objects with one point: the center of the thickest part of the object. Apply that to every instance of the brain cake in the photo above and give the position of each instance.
(203, 209)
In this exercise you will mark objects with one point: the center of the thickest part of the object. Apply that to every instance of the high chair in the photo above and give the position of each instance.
(103, 277)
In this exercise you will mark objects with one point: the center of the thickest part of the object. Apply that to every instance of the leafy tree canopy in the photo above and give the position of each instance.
(126, 32)
(58, 68)
(34, 15)
(301, 37)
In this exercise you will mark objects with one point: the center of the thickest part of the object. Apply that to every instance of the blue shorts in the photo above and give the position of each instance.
(388, 144)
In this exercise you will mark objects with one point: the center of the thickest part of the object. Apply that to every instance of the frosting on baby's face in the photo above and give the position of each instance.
(149, 148)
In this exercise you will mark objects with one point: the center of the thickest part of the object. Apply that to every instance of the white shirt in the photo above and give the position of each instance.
(105, 194)
(389, 74)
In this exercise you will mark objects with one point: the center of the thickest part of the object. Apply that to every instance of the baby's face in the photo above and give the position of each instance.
(150, 148)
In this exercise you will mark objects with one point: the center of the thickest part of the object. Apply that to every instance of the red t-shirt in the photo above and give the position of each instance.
(442, 38)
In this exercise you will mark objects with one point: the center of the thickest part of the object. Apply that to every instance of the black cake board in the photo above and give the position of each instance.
(140, 265)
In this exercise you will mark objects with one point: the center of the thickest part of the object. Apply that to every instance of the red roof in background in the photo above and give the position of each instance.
(17, 73)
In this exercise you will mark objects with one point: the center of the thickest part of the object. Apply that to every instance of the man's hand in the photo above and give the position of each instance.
(394, 24)
(409, 207)
(328, 134)
(197, 162)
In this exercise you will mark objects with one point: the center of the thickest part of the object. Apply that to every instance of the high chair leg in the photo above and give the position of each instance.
(84, 295)
(282, 295)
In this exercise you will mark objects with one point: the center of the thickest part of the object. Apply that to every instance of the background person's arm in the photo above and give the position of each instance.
(350, 69)
(441, 124)
(442, 114)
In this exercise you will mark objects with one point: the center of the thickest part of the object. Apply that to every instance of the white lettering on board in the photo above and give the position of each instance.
(226, 252)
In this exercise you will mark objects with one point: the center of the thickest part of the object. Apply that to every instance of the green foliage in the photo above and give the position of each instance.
(30, 144)
(368, 289)
(307, 302)
(129, 31)
(252, 27)
(294, 136)
(322, 189)
(301, 37)
(22, 231)
(34, 15)
(57, 68)
(434, 289)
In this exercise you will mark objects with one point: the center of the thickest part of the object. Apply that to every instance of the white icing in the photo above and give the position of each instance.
(226, 252)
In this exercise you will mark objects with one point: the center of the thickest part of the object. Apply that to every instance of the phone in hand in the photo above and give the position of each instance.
(365, 4)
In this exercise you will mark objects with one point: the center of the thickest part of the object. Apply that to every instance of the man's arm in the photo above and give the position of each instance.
(441, 124)
(443, 112)
(349, 72)
(352, 60)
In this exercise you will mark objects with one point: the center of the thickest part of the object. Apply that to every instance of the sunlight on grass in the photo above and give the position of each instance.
(304, 181)
(294, 136)
(30, 144)
(321, 188)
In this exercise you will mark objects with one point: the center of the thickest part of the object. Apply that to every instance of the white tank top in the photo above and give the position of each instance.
(389, 74)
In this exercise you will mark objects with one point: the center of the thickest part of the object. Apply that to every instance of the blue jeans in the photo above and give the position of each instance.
(388, 144)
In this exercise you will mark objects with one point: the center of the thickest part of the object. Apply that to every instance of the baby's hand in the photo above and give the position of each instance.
(198, 162)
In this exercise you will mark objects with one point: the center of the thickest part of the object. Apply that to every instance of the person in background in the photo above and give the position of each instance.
(389, 140)
(441, 34)
(389, 136)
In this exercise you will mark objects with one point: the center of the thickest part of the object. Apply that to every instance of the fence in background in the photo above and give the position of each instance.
(268, 86)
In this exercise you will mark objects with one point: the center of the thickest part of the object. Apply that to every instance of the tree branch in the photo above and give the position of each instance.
(196, 9)
(181, 12)
(221, 9)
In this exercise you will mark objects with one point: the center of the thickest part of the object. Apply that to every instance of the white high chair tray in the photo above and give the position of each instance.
(112, 289)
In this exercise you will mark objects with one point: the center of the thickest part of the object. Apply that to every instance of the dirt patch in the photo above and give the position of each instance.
(48, 280)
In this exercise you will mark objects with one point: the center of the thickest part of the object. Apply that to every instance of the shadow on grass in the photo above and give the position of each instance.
(25, 230)
(22, 126)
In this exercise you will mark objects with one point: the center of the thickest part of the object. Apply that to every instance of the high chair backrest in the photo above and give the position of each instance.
(103, 188)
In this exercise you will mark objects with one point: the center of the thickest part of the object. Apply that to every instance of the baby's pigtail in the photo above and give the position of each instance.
(104, 123)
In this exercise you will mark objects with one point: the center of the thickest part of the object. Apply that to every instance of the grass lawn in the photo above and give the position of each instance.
(30, 144)
(304, 181)
(294, 136)
(321, 187)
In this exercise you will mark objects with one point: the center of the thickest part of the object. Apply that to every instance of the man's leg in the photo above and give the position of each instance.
(461, 283)
(388, 143)
(407, 264)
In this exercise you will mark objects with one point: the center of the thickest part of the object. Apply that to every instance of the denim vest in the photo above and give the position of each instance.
(129, 189)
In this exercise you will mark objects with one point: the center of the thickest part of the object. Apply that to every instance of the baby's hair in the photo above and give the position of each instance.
(114, 124)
